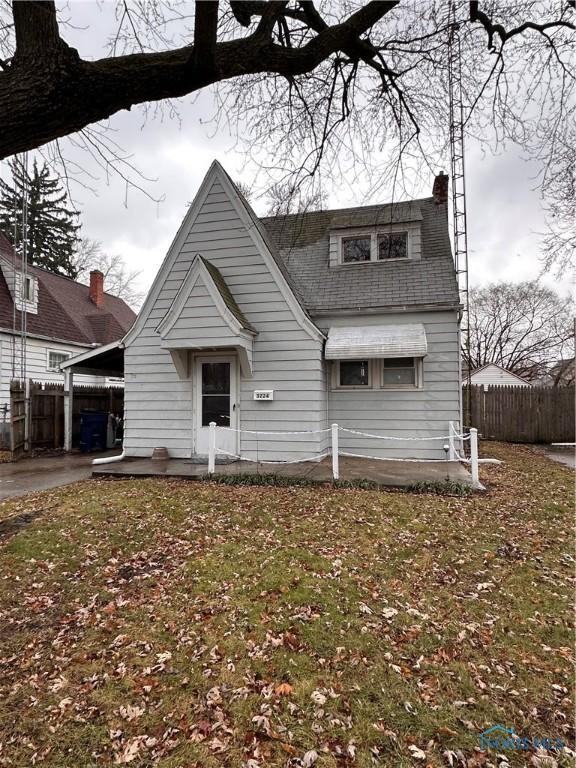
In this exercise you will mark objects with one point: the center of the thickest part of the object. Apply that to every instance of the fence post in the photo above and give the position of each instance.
(27, 416)
(335, 467)
(211, 447)
(451, 451)
(474, 456)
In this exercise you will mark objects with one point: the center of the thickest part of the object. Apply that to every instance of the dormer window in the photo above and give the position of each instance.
(393, 245)
(356, 249)
(390, 245)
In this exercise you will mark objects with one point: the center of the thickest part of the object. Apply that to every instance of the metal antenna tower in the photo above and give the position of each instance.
(458, 176)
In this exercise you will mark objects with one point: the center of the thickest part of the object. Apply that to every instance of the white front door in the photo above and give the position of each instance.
(215, 385)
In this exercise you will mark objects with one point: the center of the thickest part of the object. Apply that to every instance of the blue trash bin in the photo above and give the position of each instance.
(93, 427)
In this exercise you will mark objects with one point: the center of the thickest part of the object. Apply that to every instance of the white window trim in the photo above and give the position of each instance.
(56, 352)
(376, 377)
(373, 235)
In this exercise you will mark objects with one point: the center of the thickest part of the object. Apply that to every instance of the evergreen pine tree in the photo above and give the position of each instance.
(52, 231)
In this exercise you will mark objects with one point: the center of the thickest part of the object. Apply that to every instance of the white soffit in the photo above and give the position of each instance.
(369, 341)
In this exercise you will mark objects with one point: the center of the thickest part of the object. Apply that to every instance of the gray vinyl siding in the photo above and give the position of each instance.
(421, 412)
(36, 364)
(158, 404)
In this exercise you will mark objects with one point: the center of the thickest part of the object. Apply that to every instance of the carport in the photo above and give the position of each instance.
(107, 360)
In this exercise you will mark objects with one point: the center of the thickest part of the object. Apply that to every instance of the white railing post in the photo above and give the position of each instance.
(451, 451)
(211, 447)
(335, 467)
(474, 456)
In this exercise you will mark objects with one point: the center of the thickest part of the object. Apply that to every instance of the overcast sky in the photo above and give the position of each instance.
(504, 208)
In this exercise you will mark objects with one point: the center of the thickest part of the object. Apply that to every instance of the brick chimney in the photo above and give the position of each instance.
(97, 287)
(440, 188)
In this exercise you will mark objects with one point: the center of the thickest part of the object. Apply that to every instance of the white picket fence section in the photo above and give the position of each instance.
(452, 441)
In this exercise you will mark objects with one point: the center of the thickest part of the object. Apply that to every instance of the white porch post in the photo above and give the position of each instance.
(68, 398)
(474, 456)
(211, 447)
(335, 465)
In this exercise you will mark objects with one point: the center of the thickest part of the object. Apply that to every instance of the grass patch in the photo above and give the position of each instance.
(440, 488)
(165, 623)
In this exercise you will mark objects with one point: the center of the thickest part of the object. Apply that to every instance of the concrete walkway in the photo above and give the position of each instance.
(43, 472)
(390, 473)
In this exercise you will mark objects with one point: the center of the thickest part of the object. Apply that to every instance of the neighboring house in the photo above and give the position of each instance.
(62, 319)
(292, 323)
(493, 374)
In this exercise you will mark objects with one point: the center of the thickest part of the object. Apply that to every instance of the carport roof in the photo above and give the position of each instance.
(107, 360)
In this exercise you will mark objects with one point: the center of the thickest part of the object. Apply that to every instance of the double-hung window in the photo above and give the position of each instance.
(55, 359)
(399, 372)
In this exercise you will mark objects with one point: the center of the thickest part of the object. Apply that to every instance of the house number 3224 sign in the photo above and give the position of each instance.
(263, 394)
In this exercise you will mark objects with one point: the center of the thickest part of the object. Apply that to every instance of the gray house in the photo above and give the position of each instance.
(291, 323)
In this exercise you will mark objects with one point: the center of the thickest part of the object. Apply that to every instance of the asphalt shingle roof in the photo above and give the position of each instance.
(65, 311)
(302, 241)
(226, 294)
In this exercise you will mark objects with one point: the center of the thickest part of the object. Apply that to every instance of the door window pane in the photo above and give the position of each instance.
(215, 378)
(354, 373)
(355, 249)
(400, 372)
(216, 408)
(393, 245)
(216, 394)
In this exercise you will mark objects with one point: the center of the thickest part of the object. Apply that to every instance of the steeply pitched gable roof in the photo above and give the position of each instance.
(65, 311)
(302, 241)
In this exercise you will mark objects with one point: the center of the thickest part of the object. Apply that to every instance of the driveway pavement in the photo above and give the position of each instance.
(29, 475)
(562, 454)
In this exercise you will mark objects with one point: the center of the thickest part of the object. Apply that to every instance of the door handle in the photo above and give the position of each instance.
(234, 406)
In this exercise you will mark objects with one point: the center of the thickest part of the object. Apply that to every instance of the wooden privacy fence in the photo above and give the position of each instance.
(522, 414)
(46, 412)
(17, 419)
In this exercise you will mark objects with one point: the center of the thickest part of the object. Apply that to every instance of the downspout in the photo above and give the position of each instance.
(109, 459)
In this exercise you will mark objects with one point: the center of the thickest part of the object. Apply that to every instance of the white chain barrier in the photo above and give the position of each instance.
(238, 457)
(453, 454)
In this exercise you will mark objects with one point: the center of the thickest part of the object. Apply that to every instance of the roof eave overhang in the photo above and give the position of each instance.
(84, 358)
(391, 309)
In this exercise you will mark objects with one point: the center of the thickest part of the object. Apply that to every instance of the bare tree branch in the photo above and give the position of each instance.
(498, 29)
(83, 92)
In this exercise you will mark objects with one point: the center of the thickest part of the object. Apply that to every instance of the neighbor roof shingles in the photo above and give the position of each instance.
(302, 241)
(65, 311)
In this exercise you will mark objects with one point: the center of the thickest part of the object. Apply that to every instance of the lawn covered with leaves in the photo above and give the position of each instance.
(165, 623)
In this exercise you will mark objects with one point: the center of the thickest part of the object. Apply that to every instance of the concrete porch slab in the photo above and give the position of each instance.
(387, 473)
